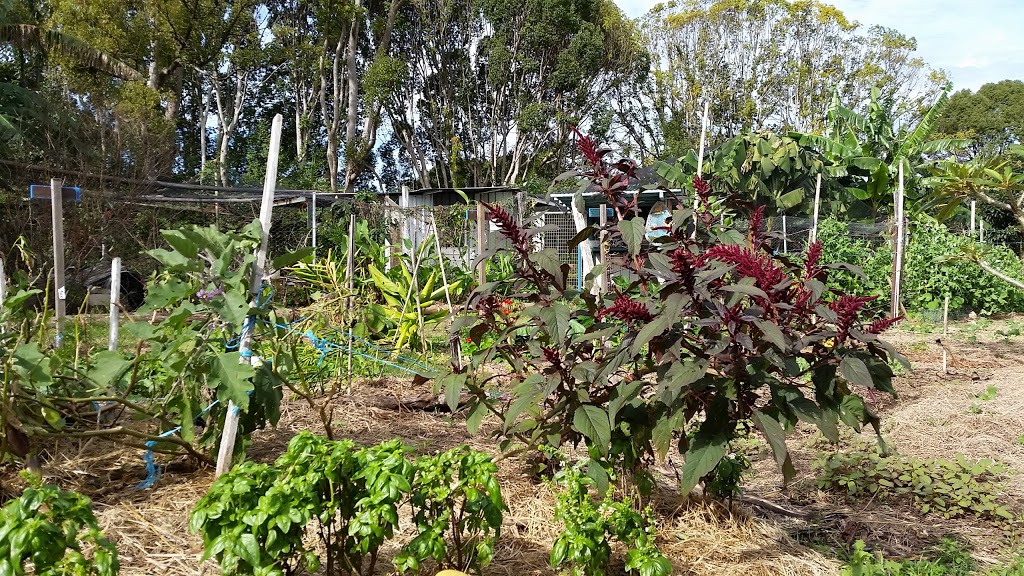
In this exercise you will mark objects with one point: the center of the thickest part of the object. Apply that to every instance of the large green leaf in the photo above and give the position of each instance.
(232, 379)
(107, 369)
(855, 371)
(705, 452)
(556, 321)
(593, 423)
(776, 436)
(633, 234)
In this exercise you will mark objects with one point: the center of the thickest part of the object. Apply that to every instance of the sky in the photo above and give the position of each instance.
(974, 41)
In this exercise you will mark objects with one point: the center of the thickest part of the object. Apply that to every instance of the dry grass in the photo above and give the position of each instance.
(932, 418)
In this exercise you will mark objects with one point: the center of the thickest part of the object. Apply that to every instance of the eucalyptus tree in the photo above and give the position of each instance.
(764, 65)
(490, 88)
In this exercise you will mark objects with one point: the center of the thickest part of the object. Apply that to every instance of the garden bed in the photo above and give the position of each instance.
(936, 415)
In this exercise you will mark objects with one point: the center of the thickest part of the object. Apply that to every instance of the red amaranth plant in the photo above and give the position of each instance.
(714, 334)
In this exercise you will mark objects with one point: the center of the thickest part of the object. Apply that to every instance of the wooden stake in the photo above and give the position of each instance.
(481, 243)
(586, 252)
(351, 272)
(604, 248)
(227, 443)
(703, 136)
(313, 213)
(945, 330)
(817, 208)
(3, 283)
(981, 229)
(115, 301)
(59, 290)
(700, 168)
(898, 260)
(785, 236)
(974, 210)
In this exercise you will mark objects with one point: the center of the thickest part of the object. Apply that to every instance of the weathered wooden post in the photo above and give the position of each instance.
(115, 301)
(945, 331)
(897, 276)
(3, 283)
(817, 208)
(481, 243)
(227, 442)
(785, 236)
(59, 289)
(350, 267)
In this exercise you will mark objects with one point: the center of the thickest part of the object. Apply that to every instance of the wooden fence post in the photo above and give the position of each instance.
(227, 443)
(945, 330)
(785, 236)
(3, 283)
(817, 208)
(115, 301)
(350, 267)
(59, 290)
(897, 276)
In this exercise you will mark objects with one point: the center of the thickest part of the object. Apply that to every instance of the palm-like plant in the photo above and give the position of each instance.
(31, 37)
(992, 181)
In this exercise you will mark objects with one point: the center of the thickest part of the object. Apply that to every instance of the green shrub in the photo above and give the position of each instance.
(931, 271)
(42, 533)
(949, 558)
(457, 507)
(254, 518)
(584, 547)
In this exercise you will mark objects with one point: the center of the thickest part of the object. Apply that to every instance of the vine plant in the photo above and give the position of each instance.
(713, 335)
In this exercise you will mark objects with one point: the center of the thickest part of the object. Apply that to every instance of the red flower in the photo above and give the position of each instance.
(627, 310)
(879, 326)
(756, 220)
(588, 147)
(748, 263)
(509, 228)
(846, 308)
(811, 268)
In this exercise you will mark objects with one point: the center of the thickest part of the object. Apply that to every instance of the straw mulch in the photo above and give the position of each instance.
(932, 418)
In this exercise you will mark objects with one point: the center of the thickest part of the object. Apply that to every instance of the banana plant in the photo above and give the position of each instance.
(864, 152)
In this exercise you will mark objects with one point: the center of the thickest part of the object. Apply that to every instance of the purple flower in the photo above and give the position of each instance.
(207, 295)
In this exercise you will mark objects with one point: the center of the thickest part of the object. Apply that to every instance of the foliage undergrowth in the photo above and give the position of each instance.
(50, 532)
(950, 487)
(254, 518)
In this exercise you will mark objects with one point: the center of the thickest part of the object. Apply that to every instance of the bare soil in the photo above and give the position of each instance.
(933, 416)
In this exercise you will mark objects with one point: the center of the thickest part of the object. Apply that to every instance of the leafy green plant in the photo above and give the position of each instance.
(250, 530)
(949, 558)
(710, 334)
(47, 532)
(952, 488)
(457, 508)
(254, 518)
(584, 546)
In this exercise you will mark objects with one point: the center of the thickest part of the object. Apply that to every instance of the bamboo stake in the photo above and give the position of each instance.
(700, 166)
(3, 283)
(115, 301)
(974, 210)
(60, 291)
(227, 443)
(457, 342)
(817, 208)
(945, 330)
(981, 229)
(898, 260)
